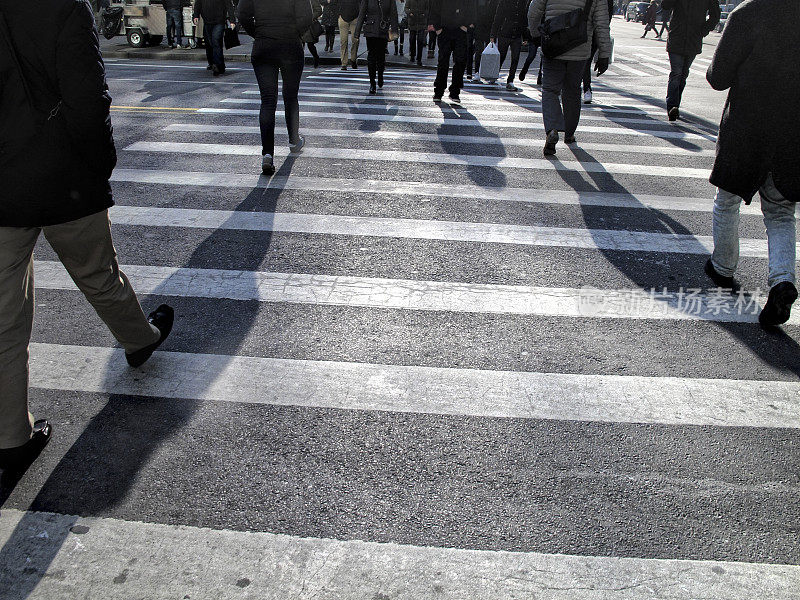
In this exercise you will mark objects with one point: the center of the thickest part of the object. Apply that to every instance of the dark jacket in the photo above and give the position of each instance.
(308, 36)
(452, 14)
(348, 9)
(692, 20)
(283, 20)
(510, 19)
(651, 14)
(172, 4)
(758, 58)
(370, 18)
(417, 13)
(62, 174)
(215, 12)
(486, 10)
(330, 13)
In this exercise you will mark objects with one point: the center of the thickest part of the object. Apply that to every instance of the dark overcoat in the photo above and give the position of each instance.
(692, 20)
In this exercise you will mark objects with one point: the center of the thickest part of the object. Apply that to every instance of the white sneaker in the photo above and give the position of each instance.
(587, 97)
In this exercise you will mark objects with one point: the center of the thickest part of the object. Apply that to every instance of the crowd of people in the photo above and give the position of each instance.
(57, 149)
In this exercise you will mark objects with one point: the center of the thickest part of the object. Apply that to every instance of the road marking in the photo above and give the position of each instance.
(619, 65)
(440, 158)
(153, 108)
(160, 65)
(407, 136)
(436, 296)
(420, 189)
(421, 390)
(653, 63)
(176, 561)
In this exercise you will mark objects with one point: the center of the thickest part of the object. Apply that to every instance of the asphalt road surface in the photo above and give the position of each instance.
(421, 361)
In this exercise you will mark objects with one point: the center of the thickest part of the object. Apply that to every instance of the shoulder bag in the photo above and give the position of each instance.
(566, 31)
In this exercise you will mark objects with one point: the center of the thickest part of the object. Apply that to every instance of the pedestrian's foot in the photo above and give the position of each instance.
(395, 52)
(454, 98)
(215, 70)
(779, 304)
(353, 65)
(437, 98)
(173, 46)
(316, 62)
(209, 67)
(587, 97)
(401, 52)
(372, 89)
(419, 63)
(550, 143)
(20, 458)
(410, 59)
(380, 80)
(674, 113)
(522, 74)
(721, 281)
(295, 147)
(344, 67)
(511, 87)
(267, 166)
(162, 318)
(569, 139)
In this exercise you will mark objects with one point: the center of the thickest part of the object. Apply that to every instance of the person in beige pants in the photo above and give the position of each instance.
(346, 29)
(56, 169)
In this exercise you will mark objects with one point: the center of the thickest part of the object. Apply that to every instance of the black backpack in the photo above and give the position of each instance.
(566, 31)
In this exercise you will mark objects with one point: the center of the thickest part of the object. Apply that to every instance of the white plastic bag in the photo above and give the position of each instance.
(490, 63)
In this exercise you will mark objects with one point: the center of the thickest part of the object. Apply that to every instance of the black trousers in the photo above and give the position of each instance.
(376, 57)
(271, 57)
(213, 35)
(503, 44)
(401, 40)
(330, 36)
(453, 42)
(431, 43)
(416, 43)
(480, 46)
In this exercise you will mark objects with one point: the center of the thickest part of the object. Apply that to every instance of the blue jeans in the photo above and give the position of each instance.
(175, 26)
(779, 218)
(213, 36)
(679, 72)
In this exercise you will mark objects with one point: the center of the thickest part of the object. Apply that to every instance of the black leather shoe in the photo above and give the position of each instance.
(20, 458)
(726, 283)
(162, 318)
(569, 139)
(372, 90)
(779, 304)
(674, 113)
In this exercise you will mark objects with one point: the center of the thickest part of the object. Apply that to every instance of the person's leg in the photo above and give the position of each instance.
(207, 43)
(502, 46)
(218, 34)
(480, 46)
(267, 77)
(170, 18)
(402, 39)
(312, 48)
(470, 52)
(533, 49)
(571, 96)
(178, 18)
(412, 44)
(687, 64)
(460, 49)
(553, 75)
(344, 32)
(779, 218)
(587, 71)
(420, 45)
(431, 43)
(382, 60)
(354, 45)
(16, 321)
(373, 46)
(725, 229)
(292, 59)
(86, 250)
(674, 86)
(516, 48)
(443, 67)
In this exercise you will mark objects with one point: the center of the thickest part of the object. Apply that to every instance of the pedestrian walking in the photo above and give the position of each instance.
(330, 18)
(451, 20)
(482, 33)
(378, 21)
(311, 35)
(508, 26)
(56, 155)
(691, 21)
(401, 39)
(431, 38)
(173, 10)
(348, 17)
(650, 18)
(665, 17)
(216, 15)
(587, 71)
(562, 75)
(417, 16)
(757, 147)
(533, 50)
(276, 26)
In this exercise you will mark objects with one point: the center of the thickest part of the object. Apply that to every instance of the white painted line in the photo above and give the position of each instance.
(407, 136)
(654, 63)
(421, 390)
(420, 189)
(436, 296)
(440, 158)
(623, 67)
(673, 133)
(178, 561)
(156, 65)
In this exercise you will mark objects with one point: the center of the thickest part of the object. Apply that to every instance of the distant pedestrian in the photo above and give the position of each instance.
(533, 50)
(650, 18)
(452, 19)
(216, 15)
(417, 15)
(330, 18)
(757, 148)
(665, 17)
(277, 26)
(348, 16)
(508, 26)
(482, 33)
(401, 30)
(377, 19)
(562, 75)
(174, 14)
(692, 20)
(56, 155)
(311, 35)
(587, 71)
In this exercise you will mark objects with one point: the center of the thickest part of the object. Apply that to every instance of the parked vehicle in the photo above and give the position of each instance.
(144, 23)
(636, 11)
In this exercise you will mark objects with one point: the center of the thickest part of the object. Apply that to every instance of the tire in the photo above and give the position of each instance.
(136, 38)
(155, 40)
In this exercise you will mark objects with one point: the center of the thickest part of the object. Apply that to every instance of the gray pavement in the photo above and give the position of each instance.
(385, 380)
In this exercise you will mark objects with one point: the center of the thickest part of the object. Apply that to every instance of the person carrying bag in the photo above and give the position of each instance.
(378, 20)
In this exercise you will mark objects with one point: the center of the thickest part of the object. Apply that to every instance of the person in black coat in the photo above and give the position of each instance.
(485, 11)
(508, 27)
(173, 10)
(692, 20)
(451, 20)
(377, 19)
(56, 156)
(277, 26)
(330, 17)
(757, 148)
(216, 14)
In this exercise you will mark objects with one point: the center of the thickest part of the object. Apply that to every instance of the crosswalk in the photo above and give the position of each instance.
(420, 361)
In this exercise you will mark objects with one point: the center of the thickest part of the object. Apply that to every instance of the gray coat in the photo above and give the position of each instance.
(598, 24)
(370, 18)
(758, 58)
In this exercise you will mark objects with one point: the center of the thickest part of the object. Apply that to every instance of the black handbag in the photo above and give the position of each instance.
(231, 38)
(316, 29)
(566, 31)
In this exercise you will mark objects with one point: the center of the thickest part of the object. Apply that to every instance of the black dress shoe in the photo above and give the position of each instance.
(20, 458)
(726, 283)
(380, 80)
(162, 318)
(372, 90)
(779, 304)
